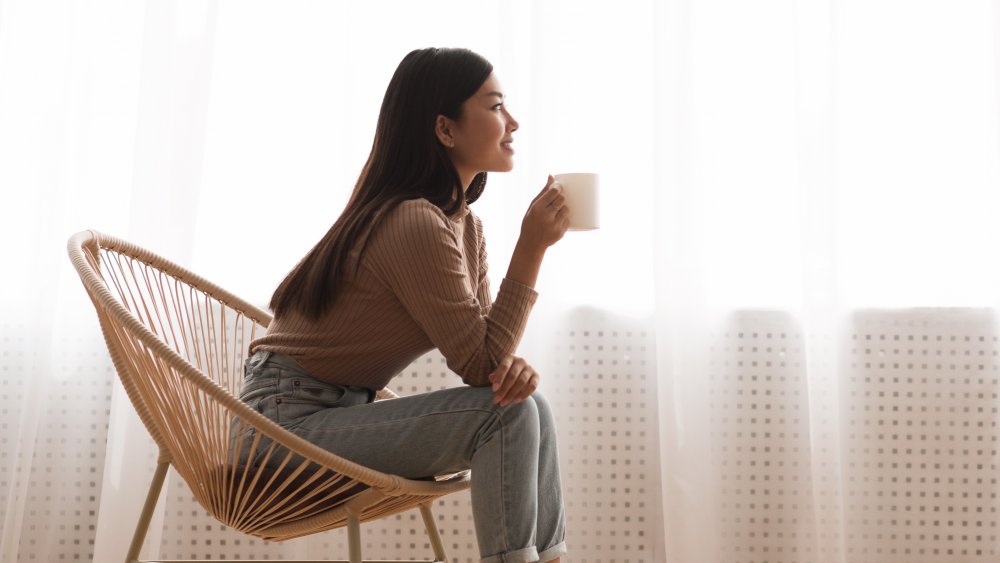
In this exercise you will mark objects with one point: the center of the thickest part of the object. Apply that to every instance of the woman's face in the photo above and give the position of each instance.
(481, 140)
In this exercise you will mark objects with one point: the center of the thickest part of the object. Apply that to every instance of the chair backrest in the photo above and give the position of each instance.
(178, 343)
(205, 325)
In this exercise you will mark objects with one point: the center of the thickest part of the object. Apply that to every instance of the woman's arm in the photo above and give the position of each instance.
(513, 380)
(525, 263)
(418, 255)
(543, 225)
(420, 258)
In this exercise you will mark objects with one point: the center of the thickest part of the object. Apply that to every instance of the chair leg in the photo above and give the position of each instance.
(142, 526)
(354, 537)
(432, 533)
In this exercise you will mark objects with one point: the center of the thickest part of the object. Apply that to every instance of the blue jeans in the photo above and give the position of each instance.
(517, 501)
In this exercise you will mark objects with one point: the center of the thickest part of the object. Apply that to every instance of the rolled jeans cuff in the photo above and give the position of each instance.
(558, 550)
(526, 555)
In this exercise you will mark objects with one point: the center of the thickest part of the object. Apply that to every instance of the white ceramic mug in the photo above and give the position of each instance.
(581, 190)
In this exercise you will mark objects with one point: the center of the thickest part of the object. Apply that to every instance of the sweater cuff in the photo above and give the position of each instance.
(509, 315)
(521, 292)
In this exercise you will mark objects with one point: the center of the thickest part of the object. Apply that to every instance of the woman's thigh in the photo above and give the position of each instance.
(415, 436)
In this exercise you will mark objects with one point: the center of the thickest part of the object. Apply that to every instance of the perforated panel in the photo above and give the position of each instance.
(917, 419)
(761, 438)
(921, 437)
(915, 410)
(603, 393)
(59, 466)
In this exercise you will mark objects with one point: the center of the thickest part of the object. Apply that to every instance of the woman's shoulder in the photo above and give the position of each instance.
(413, 223)
(421, 214)
(416, 214)
(419, 206)
(413, 229)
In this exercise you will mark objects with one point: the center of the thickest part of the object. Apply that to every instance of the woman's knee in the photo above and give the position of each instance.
(544, 410)
(527, 411)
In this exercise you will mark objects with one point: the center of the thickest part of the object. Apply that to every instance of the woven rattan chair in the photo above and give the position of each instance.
(178, 343)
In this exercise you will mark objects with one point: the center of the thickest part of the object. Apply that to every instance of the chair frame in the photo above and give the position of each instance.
(386, 494)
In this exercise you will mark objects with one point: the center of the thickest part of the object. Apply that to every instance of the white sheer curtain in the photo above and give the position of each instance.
(102, 116)
(769, 169)
(820, 163)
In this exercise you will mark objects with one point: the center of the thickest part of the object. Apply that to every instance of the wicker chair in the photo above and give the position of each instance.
(178, 343)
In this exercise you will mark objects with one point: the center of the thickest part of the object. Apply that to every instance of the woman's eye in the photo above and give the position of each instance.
(498, 106)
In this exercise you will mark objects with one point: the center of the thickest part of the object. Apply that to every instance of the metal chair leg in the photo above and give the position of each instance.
(142, 526)
(432, 533)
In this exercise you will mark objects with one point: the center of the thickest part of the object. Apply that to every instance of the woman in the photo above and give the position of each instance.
(403, 271)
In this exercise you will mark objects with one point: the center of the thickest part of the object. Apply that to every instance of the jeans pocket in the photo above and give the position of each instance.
(310, 391)
(299, 397)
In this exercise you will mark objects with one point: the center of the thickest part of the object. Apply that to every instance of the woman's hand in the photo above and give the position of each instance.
(547, 217)
(543, 225)
(513, 381)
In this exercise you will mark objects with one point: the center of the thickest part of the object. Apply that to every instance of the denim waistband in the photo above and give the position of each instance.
(277, 359)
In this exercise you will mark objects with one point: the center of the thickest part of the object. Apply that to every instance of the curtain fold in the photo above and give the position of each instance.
(172, 111)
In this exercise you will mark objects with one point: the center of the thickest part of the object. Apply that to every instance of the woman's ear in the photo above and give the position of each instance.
(443, 128)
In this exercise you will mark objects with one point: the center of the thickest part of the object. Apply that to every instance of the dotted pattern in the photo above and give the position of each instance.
(61, 480)
(759, 406)
(917, 419)
(603, 396)
(920, 431)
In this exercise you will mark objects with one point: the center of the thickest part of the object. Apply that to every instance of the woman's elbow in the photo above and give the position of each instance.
(477, 373)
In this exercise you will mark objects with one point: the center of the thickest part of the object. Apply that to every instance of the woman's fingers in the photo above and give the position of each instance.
(509, 383)
(500, 374)
(524, 382)
(525, 385)
(513, 381)
(528, 388)
(546, 198)
(544, 188)
(541, 224)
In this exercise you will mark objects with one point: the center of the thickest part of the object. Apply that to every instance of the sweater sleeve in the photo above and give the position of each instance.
(483, 289)
(419, 257)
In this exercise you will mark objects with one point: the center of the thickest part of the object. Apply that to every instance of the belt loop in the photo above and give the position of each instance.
(258, 358)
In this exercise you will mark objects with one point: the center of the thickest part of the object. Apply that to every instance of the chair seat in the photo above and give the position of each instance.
(287, 497)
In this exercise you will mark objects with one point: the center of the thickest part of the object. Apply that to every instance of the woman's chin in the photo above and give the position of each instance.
(506, 165)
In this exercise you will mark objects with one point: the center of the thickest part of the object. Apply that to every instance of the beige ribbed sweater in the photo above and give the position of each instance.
(422, 285)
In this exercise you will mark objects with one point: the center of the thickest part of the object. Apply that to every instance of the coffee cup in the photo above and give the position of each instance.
(581, 190)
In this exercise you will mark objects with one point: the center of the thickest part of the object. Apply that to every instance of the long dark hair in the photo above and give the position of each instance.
(407, 162)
